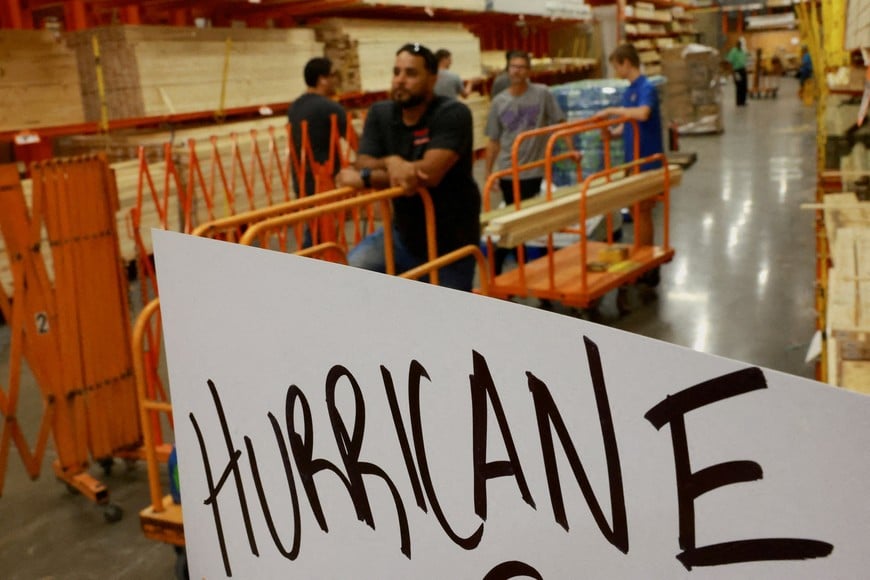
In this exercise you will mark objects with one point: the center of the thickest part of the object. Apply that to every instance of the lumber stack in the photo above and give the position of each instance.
(847, 223)
(152, 71)
(510, 228)
(364, 50)
(479, 106)
(39, 84)
(465, 5)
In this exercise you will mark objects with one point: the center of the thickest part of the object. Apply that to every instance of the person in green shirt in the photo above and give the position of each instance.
(737, 57)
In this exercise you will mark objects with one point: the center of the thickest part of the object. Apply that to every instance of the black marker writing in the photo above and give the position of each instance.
(300, 465)
(350, 446)
(483, 388)
(549, 418)
(691, 485)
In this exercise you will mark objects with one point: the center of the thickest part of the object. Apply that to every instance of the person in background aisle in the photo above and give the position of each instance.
(316, 106)
(417, 139)
(502, 80)
(805, 71)
(523, 106)
(640, 102)
(737, 57)
(449, 84)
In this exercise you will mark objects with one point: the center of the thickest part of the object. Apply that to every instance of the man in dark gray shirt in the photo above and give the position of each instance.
(419, 139)
(501, 81)
(316, 107)
(449, 84)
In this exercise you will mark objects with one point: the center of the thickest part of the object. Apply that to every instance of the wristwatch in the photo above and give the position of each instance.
(366, 175)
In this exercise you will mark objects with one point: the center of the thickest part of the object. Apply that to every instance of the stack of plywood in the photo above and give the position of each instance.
(364, 50)
(847, 223)
(39, 81)
(152, 71)
(434, 5)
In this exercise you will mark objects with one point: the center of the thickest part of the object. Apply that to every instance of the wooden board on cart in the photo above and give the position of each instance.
(523, 225)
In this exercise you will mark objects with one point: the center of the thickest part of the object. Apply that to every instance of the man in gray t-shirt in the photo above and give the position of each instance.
(523, 106)
(448, 84)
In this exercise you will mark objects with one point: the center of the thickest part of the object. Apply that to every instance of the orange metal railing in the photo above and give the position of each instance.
(569, 280)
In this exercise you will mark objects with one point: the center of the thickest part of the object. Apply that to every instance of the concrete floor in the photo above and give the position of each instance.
(741, 286)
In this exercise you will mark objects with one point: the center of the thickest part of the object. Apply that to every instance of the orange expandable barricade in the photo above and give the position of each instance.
(70, 320)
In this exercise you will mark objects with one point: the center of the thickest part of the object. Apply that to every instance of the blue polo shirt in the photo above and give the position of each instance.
(639, 93)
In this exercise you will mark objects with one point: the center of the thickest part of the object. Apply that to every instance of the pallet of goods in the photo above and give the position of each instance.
(693, 94)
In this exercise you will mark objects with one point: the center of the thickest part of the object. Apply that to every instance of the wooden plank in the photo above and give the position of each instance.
(526, 224)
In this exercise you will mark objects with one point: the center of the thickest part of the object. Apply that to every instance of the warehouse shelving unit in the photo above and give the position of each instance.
(653, 25)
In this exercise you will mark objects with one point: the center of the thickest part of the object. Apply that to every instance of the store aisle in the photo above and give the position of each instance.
(741, 284)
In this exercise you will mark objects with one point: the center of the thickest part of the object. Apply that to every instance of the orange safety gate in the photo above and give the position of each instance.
(69, 320)
(210, 178)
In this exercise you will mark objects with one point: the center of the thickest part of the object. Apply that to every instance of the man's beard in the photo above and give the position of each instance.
(410, 101)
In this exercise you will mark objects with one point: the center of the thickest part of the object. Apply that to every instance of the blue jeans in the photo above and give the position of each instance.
(369, 255)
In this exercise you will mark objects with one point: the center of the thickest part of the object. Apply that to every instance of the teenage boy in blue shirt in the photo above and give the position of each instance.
(639, 102)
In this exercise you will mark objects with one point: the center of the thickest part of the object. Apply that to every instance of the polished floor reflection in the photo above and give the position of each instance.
(742, 282)
(741, 286)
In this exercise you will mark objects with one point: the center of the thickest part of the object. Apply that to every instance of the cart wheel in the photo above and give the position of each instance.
(652, 278)
(545, 303)
(107, 463)
(623, 304)
(181, 571)
(112, 513)
(129, 464)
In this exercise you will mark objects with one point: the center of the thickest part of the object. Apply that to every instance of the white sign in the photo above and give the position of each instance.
(336, 423)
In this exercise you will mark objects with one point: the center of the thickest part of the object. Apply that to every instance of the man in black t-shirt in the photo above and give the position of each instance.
(317, 108)
(417, 139)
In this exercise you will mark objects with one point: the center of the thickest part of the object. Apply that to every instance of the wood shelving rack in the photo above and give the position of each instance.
(496, 32)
